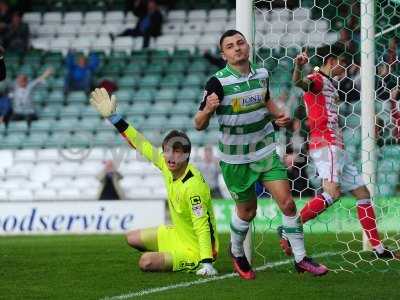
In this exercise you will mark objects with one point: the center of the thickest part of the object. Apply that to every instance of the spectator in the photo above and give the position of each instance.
(392, 53)
(149, 23)
(17, 36)
(209, 168)
(346, 42)
(385, 82)
(80, 71)
(349, 86)
(5, 108)
(5, 16)
(392, 56)
(2, 65)
(109, 178)
(22, 103)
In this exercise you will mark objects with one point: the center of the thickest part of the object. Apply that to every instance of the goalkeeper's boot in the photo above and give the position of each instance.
(388, 254)
(242, 266)
(284, 242)
(310, 266)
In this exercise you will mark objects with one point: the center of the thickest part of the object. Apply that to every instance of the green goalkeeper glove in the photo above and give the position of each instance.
(102, 102)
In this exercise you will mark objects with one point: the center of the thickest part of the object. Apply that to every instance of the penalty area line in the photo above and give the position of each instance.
(205, 280)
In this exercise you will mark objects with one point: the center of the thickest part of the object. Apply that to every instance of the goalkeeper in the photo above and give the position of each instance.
(191, 242)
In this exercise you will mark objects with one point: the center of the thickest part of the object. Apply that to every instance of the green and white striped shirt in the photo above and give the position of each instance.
(246, 131)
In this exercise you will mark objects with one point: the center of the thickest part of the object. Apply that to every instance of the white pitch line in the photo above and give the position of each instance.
(205, 280)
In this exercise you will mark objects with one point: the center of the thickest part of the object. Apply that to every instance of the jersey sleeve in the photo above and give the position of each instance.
(197, 199)
(213, 85)
(316, 82)
(137, 141)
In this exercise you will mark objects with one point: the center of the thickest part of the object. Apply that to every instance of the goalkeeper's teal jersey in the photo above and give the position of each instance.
(189, 199)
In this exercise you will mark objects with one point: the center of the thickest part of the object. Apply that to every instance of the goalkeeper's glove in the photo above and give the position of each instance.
(102, 102)
(206, 269)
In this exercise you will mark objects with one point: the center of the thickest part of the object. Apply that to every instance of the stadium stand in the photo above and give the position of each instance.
(159, 89)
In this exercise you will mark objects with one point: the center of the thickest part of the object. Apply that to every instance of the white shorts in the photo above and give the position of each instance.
(335, 165)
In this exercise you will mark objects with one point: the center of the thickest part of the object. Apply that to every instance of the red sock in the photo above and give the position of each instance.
(313, 208)
(366, 215)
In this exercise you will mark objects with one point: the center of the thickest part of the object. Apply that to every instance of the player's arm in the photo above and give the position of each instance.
(281, 119)
(41, 79)
(48, 72)
(298, 79)
(106, 106)
(197, 200)
(213, 95)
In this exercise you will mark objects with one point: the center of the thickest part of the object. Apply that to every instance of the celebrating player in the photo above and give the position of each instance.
(239, 95)
(335, 168)
(191, 242)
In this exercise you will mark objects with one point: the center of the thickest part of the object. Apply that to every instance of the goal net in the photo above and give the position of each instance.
(282, 29)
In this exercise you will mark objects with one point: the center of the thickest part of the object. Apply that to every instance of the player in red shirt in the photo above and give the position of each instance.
(335, 168)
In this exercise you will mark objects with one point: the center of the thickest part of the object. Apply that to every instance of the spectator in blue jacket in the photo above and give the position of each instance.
(80, 71)
(5, 108)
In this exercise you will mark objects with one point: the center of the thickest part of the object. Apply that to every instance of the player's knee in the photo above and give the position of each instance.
(335, 193)
(288, 206)
(145, 263)
(333, 190)
(247, 214)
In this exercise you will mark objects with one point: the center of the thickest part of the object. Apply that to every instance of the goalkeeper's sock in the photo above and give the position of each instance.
(239, 230)
(315, 206)
(294, 233)
(366, 215)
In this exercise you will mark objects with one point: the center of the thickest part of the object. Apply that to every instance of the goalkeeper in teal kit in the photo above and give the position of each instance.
(191, 242)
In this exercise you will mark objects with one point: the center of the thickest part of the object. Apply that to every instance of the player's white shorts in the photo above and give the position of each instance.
(335, 165)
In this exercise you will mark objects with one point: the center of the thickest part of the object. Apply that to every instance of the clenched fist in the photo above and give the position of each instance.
(282, 120)
(212, 103)
(301, 59)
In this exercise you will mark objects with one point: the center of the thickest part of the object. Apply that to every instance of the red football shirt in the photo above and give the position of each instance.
(322, 112)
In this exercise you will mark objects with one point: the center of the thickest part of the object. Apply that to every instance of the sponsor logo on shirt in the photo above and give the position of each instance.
(240, 104)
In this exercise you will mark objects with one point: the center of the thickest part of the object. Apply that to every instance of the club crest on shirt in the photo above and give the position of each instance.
(234, 195)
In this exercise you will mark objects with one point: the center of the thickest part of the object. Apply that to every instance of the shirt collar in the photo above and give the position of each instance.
(183, 175)
(238, 74)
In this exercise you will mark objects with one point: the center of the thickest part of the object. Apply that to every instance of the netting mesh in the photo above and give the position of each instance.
(282, 29)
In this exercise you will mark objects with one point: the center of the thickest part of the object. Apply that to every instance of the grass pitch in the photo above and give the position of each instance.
(97, 267)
